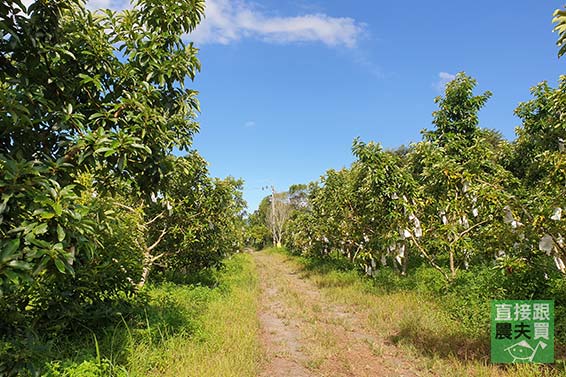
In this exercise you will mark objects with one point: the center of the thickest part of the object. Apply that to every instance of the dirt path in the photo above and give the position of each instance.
(305, 334)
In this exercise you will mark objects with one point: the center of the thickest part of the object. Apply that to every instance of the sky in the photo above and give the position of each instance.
(287, 85)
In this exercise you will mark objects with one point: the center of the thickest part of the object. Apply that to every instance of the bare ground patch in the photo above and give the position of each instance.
(305, 334)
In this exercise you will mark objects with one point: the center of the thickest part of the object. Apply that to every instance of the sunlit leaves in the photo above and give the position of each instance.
(80, 92)
(560, 28)
(203, 216)
(540, 161)
(448, 199)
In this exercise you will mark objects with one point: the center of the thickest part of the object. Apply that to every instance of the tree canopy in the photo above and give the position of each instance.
(92, 198)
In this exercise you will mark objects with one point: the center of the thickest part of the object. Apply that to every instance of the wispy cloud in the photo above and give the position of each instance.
(364, 60)
(249, 124)
(443, 79)
(230, 20)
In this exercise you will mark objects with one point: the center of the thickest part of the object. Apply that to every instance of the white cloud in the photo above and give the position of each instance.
(249, 124)
(227, 21)
(443, 79)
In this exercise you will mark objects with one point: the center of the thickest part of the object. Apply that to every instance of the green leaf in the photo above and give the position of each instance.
(40, 229)
(68, 191)
(139, 146)
(11, 247)
(19, 265)
(57, 208)
(39, 243)
(60, 265)
(96, 116)
(44, 214)
(60, 233)
(110, 152)
(103, 149)
(12, 276)
(121, 163)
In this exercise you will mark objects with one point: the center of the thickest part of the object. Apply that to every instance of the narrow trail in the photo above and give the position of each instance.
(305, 334)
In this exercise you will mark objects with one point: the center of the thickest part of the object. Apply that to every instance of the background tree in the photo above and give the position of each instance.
(298, 197)
(278, 213)
(203, 217)
(275, 212)
(258, 234)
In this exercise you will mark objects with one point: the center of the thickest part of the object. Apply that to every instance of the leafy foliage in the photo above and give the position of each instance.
(84, 92)
(204, 220)
(456, 120)
(462, 197)
(560, 28)
(92, 106)
(267, 225)
(539, 159)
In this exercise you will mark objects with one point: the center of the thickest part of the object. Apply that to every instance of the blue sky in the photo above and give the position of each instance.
(286, 86)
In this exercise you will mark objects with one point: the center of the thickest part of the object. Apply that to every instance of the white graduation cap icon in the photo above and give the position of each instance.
(524, 351)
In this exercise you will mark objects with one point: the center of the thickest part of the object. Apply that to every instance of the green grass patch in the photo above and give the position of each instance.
(208, 329)
(445, 327)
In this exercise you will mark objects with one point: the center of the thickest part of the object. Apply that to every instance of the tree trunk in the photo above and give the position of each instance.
(149, 259)
(452, 267)
(145, 274)
(405, 262)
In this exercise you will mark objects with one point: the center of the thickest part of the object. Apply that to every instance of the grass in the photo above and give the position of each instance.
(415, 321)
(212, 329)
(182, 330)
(225, 343)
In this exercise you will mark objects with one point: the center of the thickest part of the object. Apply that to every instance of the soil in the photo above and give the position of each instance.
(304, 333)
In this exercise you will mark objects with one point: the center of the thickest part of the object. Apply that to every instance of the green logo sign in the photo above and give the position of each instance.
(522, 331)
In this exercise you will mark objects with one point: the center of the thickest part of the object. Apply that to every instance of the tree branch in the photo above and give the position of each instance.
(429, 258)
(154, 245)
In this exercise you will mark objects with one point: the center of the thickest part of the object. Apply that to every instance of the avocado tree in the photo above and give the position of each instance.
(388, 206)
(447, 198)
(464, 186)
(539, 161)
(101, 93)
(202, 218)
(257, 232)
